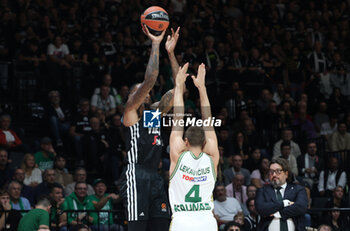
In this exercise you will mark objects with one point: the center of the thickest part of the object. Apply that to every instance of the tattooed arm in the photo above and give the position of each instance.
(137, 97)
(166, 102)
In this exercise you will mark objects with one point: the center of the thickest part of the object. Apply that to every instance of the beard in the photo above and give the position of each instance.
(276, 183)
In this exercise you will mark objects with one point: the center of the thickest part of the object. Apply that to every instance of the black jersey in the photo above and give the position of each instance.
(143, 145)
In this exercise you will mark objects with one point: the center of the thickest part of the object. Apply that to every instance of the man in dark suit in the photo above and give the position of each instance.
(310, 165)
(281, 205)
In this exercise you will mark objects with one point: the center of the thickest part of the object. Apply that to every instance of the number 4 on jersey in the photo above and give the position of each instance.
(195, 198)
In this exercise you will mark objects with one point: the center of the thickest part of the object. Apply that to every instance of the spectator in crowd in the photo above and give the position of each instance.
(44, 158)
(340, 139)
(96, 146)
(17, 202)
(241, 146)
(331, 178)
(287, 135)
(58, 116)
(57, 199)
(337, 221)
(337, 200)
(79, 176)
(6, 172)
(224, 207)
(254, 160)
(117, 154)
(26, 191)
(324, 228)
(232, 226)
(239, 218)
(8, 138)
(106, 81)
(260, 176)
(32, 174)
(321, 116)
(310, 165)
(8, 220)
(330, 126)
(278, 95)
(80, 126)
(225, 141)
(286, 154)
(253, 218)
(237, 163)
(63, 177)
(78, 200)
(104, 101)
(44, 188)
(103, 201)
(265, 97)
(236, 189)
(251, 193)
(32, 54)
(59, 64)
(38, 218)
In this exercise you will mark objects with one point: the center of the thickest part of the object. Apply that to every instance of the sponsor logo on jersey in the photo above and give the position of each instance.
(191, 207)
(157, 141)
(194, 179)
(151, 118)
(142, 214)
(194, 172)
(163, 206)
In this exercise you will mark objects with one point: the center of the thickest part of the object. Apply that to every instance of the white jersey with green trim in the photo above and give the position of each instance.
(192, 183)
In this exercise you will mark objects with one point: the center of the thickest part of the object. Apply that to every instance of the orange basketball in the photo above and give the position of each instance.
(156, 19)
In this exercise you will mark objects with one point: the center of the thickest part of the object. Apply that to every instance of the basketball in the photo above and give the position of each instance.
(156, 19)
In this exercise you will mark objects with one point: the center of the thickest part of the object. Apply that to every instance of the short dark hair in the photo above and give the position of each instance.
(285, 144)
(195, 135)
(231, 223)
(55, 185)
(249, 200)
(80, 182)
(3, 192)
(282, 162)
(44, 201)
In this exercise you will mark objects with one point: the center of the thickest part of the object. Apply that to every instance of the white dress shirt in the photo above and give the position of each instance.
(331, 181)
(275, 223)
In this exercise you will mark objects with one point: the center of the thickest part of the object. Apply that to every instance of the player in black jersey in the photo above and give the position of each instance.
(141, 187)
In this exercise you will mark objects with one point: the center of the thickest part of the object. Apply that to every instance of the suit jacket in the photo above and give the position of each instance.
(266, 204)
(301, 165)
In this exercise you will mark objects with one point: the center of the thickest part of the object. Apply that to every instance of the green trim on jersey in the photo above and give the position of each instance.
(213, 167)
(177, 165)
(195, 157)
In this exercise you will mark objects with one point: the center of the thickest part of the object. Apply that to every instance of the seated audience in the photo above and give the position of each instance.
(103, 201)
(44, 158)
(63, 177)
(8, 220)
(237, 163)
(26, 191)
(225, 208)
(44, 188)
(58, 116)
(331, 178)
(236, 189)
(78, 200)
(287, 135)
(17, 202)
(6, 172)
(340, 139)
(79, 176)
(260, 177)
(8, 138)
(32, 174)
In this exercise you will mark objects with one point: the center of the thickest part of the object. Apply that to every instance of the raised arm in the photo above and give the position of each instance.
(211, 142)
(166, 102)
(177, 144)
(137, 97)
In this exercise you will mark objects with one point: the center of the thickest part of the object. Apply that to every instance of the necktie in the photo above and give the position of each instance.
(283, 223)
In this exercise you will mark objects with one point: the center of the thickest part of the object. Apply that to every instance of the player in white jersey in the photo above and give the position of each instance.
(194, 161)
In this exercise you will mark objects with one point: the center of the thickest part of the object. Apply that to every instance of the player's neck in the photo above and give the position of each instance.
(195, 150)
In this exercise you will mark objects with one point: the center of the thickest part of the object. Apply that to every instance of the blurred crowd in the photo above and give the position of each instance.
(277, 76)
